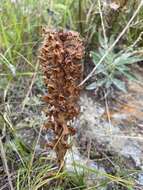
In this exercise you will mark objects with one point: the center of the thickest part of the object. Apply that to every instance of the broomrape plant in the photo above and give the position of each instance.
(112, 70)
(60, 58)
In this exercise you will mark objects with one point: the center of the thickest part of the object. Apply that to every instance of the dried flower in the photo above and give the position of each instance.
(60, 58)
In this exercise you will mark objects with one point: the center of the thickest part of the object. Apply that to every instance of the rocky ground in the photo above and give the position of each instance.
(111, 132)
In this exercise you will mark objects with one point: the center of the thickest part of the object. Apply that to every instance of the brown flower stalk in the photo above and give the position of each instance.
(60, 58)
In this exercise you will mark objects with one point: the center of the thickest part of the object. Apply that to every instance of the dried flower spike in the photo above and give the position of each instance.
(60, 58)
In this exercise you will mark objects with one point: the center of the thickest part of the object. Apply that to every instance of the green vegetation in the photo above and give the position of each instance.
(114, 67)
(112, 52)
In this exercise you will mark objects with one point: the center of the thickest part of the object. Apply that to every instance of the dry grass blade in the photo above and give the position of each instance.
(3, 156)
